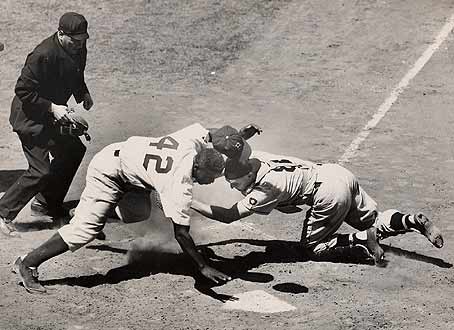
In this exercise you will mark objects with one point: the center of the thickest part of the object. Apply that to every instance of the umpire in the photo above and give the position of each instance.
(52, 73)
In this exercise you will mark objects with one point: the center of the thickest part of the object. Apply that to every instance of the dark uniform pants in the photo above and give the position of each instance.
(47, 179)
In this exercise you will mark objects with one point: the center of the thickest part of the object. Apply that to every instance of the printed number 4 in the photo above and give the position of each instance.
(166, 142)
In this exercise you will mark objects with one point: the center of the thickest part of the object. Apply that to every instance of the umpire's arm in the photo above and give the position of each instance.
(219, 213)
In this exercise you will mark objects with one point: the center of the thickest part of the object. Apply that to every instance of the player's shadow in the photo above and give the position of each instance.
(146, 263)
(415, 256)
(277, 251)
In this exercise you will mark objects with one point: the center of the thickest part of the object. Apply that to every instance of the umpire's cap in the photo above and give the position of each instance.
(74, 25)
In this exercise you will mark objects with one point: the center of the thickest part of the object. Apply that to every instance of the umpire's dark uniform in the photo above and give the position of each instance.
(50, 75)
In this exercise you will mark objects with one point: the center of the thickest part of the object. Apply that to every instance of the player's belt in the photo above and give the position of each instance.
(117, 153)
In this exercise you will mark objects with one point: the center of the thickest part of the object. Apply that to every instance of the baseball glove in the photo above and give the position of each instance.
(78, 127)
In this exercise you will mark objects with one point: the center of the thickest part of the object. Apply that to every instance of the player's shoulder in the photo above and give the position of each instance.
(191, 131)
(266, 185)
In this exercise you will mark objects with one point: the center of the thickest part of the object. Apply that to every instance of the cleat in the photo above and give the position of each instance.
(428, 229)
(27, 278)
(8, 229)
(33, 269)
(374, 247)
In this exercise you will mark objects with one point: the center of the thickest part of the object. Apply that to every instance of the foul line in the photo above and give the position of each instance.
(386, 105)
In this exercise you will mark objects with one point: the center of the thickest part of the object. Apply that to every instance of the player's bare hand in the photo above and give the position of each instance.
(250, 130)
(60, 113)
(88, 101)
(214, 275)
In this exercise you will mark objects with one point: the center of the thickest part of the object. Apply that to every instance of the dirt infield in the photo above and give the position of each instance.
(312, 74)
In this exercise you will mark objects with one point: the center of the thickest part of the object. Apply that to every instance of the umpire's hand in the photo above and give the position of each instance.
(88, 101)
(60, 113)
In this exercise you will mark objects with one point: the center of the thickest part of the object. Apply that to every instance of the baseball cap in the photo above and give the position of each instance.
(228, 141)
(235, 169)
(74, 25)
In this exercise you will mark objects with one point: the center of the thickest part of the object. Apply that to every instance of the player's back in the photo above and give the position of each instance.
(290, 175)
(154, 162)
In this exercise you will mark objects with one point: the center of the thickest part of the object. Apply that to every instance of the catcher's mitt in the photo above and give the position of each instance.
(78, 127)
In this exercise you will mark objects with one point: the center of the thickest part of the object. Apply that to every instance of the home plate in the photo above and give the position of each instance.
(258, 301)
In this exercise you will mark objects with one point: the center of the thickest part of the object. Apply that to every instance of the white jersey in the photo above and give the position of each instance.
(281, 181)
(165, 164)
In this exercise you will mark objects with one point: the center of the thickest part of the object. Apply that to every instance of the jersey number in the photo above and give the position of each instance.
(167, 142)
(288, 165)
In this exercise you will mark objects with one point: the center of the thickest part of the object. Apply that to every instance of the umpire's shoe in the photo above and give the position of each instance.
(27, 277)
(39, 209)
(427, 228)
(7, 228)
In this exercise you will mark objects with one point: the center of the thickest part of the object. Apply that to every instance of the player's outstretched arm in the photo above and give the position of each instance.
(187, 245)
(250, 130)
(219, 213)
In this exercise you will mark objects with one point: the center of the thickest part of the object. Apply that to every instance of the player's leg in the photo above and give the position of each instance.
(393, 222)
(349, 203)
(100, 195)
(331, 204)
(363, 211)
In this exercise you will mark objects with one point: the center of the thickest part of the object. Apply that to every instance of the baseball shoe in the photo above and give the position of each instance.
(7, 228)
(33, 269)
(374, 247)
(39, 209)
(427, 228)
(26, 275)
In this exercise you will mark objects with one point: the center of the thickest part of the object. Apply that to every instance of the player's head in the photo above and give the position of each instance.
(241, 175)
(229, 141)
(72, 32)
(208, 165)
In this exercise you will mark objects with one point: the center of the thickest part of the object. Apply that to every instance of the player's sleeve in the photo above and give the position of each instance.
(176, 201)
(262, 199)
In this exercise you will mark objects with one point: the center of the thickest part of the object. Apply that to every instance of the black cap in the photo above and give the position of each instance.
(228, 141)
(74, 25)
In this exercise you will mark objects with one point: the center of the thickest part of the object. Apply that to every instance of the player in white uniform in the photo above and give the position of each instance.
(334, 195)
(165, 166)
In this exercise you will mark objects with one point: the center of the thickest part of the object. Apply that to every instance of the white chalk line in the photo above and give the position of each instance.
(386, 105)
